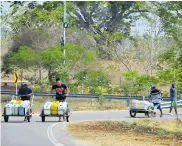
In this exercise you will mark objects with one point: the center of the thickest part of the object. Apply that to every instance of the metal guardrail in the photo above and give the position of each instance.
(109, 97)
(168, 104)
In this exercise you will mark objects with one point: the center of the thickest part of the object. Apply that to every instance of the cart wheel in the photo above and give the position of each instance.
(42, 116)
(6, 118)
(67, 115)
(132, 113)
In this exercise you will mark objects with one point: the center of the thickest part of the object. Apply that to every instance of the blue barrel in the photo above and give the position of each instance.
(21, 110)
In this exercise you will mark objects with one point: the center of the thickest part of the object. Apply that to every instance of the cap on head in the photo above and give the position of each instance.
(153, 87)
(25, 84)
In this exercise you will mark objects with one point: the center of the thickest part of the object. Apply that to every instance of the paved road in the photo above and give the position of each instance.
(52, 133)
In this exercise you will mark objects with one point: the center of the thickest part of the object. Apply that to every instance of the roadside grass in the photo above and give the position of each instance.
(75, 104)
(138, 133)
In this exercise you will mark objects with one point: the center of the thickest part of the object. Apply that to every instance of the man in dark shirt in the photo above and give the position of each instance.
(173, 99)
(61, 90)
(25, 92)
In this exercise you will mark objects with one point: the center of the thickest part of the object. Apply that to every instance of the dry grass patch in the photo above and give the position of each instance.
(138, 133)
(76, 104)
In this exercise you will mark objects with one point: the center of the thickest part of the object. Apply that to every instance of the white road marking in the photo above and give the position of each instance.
(51, 136)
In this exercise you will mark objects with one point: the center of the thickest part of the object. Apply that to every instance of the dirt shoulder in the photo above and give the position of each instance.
(138, 133)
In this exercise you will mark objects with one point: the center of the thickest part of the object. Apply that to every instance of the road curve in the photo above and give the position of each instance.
(52, 133)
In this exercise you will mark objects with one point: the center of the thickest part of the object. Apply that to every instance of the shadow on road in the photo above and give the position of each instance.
(49, 121)
(14, 122)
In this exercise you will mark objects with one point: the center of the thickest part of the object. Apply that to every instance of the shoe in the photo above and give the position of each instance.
(160, 115)
(170, 114)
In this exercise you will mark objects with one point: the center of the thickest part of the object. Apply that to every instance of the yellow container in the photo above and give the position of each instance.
(54, 107)
(18, 102)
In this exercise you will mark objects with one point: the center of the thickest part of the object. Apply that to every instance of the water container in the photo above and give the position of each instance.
(134, 104)
(47, 108)
(9, 109)
(12, 102)
(144, 105)
(54, 107)
(18, 102)
(21, 110)
(15, 109)
(26, 105)
(62, 107)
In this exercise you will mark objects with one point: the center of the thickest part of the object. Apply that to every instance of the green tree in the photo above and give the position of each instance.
(98, 83)
(24, 59)
(136, 83)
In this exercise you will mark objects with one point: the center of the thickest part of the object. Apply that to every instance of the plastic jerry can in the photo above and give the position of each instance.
(135, 104)
(47, 108)
(18, 102)
(15, 109)
(62, 106)
(9, 109)
(26, 105)
(12, 102)
(21, 110)
(54, 107)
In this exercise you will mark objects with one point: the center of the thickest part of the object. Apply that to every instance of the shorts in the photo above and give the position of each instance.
(173, 103)
(158, 105)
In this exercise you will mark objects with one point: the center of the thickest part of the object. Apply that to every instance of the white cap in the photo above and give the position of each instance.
(24, 83)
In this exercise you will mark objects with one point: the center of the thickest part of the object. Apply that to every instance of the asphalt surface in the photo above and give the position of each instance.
(52, 133)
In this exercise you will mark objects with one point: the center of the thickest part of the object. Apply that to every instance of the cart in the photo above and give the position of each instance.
(27, 111)
(63, 111)
(145, 107)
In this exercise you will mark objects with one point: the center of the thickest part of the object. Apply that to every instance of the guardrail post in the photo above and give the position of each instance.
(143, 98)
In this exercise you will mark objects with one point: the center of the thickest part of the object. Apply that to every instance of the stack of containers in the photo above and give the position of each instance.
(12, 108)
(136, 104)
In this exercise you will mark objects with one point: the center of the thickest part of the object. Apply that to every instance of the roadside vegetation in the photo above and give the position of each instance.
(105, 52)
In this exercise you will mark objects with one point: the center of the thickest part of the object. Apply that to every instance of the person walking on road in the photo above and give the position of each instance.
(155, 96)
(62, 91)
(173, 99)
(24, 94)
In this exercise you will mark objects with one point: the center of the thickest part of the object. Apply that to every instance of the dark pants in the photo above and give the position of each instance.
(158, 105)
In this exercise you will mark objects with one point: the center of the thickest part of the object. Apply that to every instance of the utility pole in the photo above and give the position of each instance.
(65, 25)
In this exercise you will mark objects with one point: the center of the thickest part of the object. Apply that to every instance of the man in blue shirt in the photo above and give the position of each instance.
(25, 92)
(173, 99)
